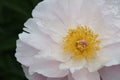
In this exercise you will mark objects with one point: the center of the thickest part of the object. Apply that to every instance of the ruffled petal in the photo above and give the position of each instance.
(34, 37)
(25, 53)
(47, 67)
(34, 76)
(84, 74)
(40, 40)
(54, 29)
(110, 73)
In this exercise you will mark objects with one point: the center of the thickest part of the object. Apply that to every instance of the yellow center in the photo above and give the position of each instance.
(81, 43)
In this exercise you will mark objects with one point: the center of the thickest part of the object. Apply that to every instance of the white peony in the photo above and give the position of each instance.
(71, 40)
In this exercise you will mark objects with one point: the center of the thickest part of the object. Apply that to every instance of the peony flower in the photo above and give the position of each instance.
(71, 40)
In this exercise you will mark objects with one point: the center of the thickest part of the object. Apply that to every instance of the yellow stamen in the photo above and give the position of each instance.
(81, 43)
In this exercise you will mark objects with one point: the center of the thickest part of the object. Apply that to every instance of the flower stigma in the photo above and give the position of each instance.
(81, 43)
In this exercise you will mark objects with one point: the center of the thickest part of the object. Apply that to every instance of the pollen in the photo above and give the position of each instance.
(81, 43)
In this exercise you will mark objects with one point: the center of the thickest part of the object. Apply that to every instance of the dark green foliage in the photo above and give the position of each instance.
(13, 14)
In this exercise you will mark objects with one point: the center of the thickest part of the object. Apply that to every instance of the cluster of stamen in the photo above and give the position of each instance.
(81, 43)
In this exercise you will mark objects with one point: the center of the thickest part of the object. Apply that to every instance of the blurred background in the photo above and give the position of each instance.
(13, 14)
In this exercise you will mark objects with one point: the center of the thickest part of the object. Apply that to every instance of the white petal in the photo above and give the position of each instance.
(107, 56)
(31, 26)
(73, 65)
(25, 53)
(47, 67)
(50, 19)
(110, 73)
(58, 10)
(110, 54)
(111, 19)
(55, 29)
(42, 42)
(58, 54)
(113, 62)
(111, 39)
(34, 76)
(84, 74)
(94, 65)
(92, 17)
(34, 38)
(55, 51)
(111, 11)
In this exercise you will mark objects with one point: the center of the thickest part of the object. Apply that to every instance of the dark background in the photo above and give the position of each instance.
(13, 14)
